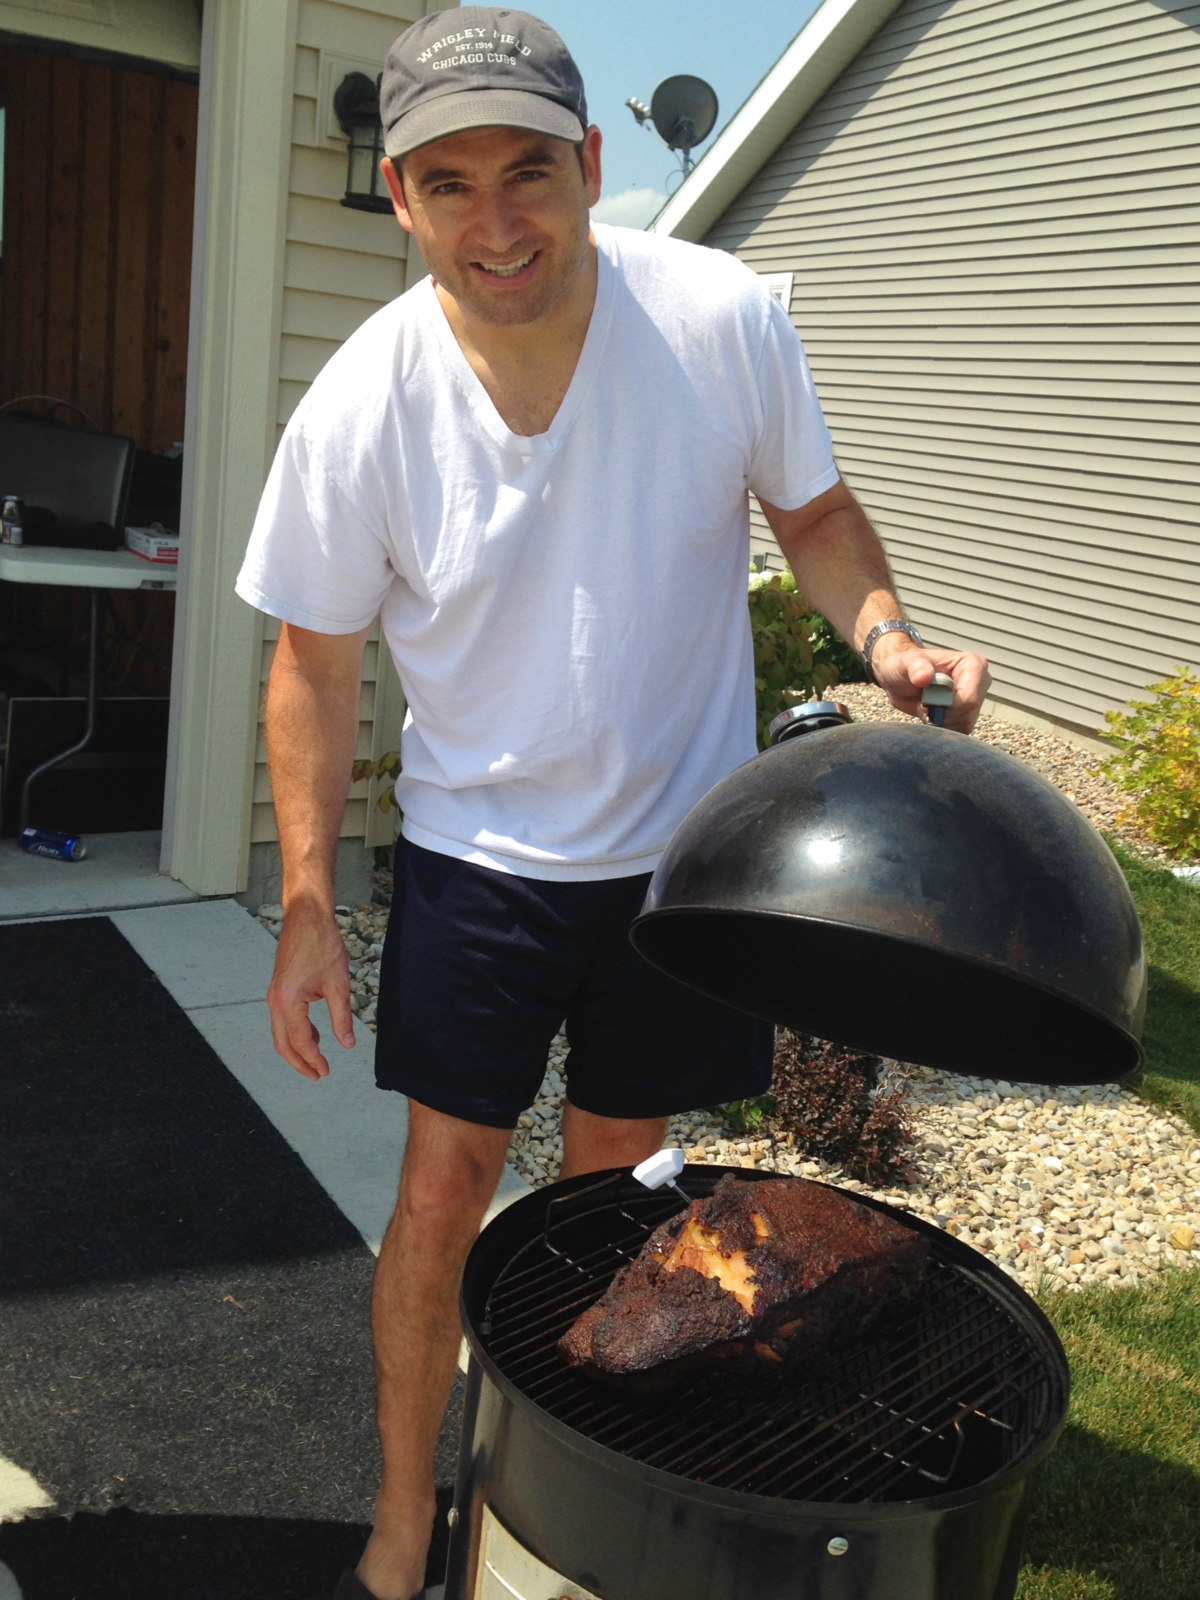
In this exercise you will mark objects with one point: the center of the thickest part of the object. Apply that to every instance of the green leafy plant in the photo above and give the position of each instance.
(786, 670)
(387, 768)
(828, 645)
(1157, 761)
(743, 1116)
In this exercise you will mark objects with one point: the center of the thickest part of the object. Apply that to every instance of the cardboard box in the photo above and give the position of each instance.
(153, 544)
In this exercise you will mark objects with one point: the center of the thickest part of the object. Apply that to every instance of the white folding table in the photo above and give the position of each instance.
(92, 570)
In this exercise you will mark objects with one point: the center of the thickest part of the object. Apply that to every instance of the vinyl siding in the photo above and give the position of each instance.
(340, 266)
(377, 733)
(992, 219)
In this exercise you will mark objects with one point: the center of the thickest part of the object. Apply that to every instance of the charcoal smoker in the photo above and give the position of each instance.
(909, 892)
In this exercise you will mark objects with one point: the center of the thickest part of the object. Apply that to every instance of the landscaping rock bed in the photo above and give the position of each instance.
(1070, 1186)
(1065, 1187)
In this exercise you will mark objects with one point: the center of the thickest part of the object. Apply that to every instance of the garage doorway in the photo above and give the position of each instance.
(99, 161)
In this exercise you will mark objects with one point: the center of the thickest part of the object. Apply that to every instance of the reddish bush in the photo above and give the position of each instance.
(833, 1102)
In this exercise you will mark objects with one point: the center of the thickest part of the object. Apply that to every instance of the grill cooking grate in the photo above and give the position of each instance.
(951, 1392)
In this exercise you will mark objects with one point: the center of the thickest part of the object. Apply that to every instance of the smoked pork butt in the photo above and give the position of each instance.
(772, 1272)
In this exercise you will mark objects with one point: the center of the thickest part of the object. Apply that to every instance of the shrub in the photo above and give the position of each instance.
(839, 1105)
(786, 669)
(828, 645)
(1158, 761)
(386, 767)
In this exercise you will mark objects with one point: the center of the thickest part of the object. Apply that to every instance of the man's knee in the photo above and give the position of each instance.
(443, 1199)
(450, 1172)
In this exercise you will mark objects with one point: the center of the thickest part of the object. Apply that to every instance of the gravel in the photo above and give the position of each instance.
(1062, 1188)
(1066, 1187)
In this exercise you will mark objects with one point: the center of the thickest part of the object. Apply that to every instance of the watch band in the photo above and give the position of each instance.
(894, 625)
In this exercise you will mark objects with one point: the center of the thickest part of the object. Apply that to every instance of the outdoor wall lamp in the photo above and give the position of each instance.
(356, 106)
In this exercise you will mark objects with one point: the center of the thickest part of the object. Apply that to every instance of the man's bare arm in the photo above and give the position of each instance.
(839, 565)
(312, 725)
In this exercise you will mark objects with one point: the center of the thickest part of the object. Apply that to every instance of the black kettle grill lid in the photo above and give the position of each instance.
(909, 892)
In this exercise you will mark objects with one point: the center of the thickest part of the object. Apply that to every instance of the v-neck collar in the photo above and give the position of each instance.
(585, 368)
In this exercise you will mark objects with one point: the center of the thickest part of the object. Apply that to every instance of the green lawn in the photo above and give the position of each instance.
(1170, 913)
(1118, 1515)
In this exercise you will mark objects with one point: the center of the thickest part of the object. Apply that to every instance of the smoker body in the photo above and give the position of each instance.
(599, 1524)
(622, 1534)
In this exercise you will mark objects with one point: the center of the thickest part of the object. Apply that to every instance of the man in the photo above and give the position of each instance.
(535, 467)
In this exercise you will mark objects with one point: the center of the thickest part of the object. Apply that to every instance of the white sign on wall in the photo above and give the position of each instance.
(780, 285)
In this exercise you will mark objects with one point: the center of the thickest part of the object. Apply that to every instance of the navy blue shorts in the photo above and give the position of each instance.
(481, 968)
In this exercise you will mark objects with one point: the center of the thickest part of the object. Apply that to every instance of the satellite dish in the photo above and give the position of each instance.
(684, 111)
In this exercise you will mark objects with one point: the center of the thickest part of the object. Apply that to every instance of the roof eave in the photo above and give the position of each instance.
(816, 57)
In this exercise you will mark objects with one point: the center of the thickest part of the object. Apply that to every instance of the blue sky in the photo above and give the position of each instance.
(626, 47)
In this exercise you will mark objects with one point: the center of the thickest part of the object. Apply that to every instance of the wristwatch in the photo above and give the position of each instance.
(893, 626)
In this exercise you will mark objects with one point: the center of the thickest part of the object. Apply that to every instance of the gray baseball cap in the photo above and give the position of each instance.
(478, 67)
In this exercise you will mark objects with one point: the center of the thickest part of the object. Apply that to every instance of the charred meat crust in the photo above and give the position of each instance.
(827, 1270)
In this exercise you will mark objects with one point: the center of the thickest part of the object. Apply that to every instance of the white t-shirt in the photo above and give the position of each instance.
(567, 612)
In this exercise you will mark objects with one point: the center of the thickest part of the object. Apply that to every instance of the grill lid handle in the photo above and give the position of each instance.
(938, 697)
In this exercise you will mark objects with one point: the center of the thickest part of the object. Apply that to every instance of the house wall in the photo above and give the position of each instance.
(284, 274)
(991, 218)
(97, 240)
(340, 266)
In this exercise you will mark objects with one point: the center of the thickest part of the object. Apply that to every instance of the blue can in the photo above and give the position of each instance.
(45, 842)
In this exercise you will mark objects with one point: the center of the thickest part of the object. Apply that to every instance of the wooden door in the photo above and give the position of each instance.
(98, 192)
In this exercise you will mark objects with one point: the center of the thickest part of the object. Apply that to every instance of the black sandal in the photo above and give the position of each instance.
(351, 1587)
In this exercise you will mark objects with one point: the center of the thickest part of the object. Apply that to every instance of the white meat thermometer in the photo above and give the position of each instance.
(663, 1167)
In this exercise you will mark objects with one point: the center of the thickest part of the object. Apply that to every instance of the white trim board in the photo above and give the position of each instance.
(244, 149)
(814, 60)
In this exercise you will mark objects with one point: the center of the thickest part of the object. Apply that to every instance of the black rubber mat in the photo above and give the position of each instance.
(183, 1309)
(128, 1555)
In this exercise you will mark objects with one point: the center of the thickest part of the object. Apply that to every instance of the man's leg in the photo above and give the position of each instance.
(451, 1169)
(592, 1143)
